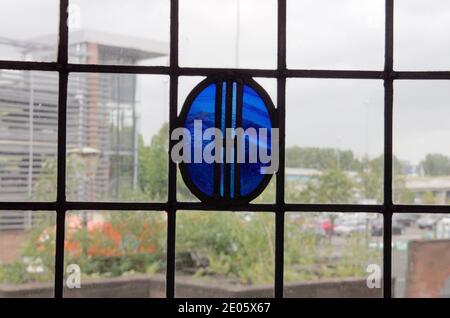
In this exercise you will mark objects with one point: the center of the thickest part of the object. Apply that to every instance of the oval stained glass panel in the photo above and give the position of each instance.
(226, 104)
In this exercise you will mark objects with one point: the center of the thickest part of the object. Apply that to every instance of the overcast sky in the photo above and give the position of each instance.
(322, 34)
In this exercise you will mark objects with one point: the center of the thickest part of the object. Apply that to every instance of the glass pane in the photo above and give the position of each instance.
(185, 85)
(333, 255)
(334, 141)
(225, 254)
(421, 142)
(421, 255)
(419, 35)
(269, 193)
(29, 30)
(239, 33)
(330, 34)
(270, 86)
(28, 135)
(116, 253)
(27, 254)
(119, 32)
(117, 138)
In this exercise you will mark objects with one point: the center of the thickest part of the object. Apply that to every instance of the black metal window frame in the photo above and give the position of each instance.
(280, 207)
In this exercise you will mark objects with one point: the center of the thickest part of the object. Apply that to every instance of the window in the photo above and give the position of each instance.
(417, 29)
(106, 32)
(34, 39)
(244, 30)
(327, 34)
(86, 182)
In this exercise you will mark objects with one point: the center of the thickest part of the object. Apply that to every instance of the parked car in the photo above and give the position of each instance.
(427, 222)
(378, 227)
(406, 219)
(314, 226)
(351, 226)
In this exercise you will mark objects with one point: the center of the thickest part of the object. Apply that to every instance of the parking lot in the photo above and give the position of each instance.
(369, 227)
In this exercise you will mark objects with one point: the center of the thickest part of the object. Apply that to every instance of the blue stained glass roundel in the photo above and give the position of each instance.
(243, 116)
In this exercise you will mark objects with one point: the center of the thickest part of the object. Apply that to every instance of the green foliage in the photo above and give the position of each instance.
(400, 192)
(371, 177)
(335, 185)
(128, 242)
(268, 195)
(320, 158)
(153, 165)
(302, 246)
(310, 257)
(332, 186)
(44, 188)
(235, 246)
(436, 165)
(17, 273)
(239, 246)
(428, 198)
(38, 251)
(356, 256)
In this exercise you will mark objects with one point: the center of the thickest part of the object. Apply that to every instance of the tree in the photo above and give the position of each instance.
(153, 165)
(371, 178)
(44, 188)
(428, 198)
(332, 186)
(400, 193)
(320, 158)
(436, 165)
(153, 170)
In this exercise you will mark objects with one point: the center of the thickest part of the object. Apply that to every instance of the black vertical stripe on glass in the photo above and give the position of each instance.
(239, 106)
(228, 152)
(218, 125)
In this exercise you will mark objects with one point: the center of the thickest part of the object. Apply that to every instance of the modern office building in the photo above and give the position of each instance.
(101, 120)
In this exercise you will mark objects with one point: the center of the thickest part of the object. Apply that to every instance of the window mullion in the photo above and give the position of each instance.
(388, 149)
(61, 169)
